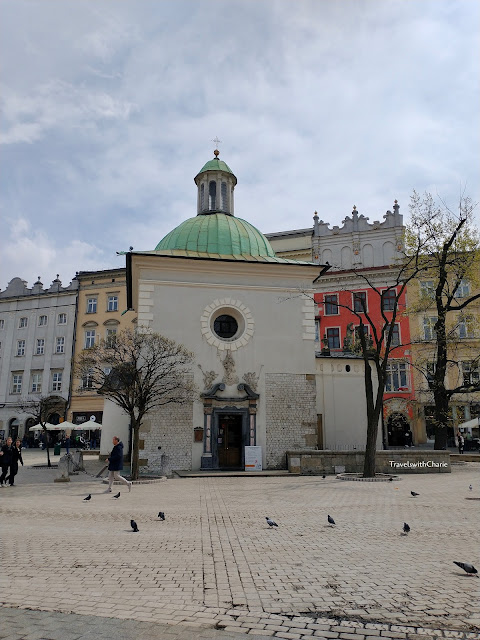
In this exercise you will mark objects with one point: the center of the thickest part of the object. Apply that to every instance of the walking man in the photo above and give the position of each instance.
(115, 464)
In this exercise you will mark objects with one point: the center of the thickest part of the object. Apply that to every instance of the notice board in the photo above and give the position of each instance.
(253, 458)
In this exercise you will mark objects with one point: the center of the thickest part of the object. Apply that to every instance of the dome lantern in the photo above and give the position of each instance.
(215, 184)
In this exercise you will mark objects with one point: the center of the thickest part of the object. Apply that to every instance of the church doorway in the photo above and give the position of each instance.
(230, 440)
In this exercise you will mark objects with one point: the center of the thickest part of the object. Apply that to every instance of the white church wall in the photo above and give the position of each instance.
(280, 339)
(341, 402)
(115, 422)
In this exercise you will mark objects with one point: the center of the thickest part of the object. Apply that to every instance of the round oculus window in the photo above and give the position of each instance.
(225, 326)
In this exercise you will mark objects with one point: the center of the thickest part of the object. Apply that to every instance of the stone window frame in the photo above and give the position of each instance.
(235, 308)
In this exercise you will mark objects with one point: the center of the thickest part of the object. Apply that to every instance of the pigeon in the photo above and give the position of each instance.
(117, 495)
(89, 497)
(406, 528)
(324, 476)
(390, 479)
(470, 487)
(414, 493)
(468, 568)
(331, 520)
(161, 515)
(270, 522)
(133, 524)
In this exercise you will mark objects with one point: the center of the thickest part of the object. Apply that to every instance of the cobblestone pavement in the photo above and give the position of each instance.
(215, 565)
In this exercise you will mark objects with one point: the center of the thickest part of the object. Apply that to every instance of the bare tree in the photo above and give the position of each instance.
(41, 409)
(138, 371)
(451, 265)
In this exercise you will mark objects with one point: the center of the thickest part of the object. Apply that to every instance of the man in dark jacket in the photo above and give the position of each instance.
(16, 458)
(6, 456)
(115, 464)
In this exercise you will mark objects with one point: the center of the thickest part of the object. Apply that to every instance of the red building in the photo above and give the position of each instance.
(335, 314)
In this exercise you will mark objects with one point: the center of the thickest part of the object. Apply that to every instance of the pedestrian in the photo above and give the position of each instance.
(461, 442)
(409, 436)
(6, 459)
(115, 464)
(16, 457)
(67, 443)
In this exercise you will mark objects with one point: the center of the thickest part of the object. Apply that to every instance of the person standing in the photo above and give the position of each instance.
(16, 457)
(6, 459)
(461, 442)
(115, 464)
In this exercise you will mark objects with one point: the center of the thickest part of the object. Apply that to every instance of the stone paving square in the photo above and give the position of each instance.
(214, 564)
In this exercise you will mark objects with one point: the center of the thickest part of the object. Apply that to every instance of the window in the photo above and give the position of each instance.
(395, 335)
(429, 323)
(87, 382)
(60, 345)
(212, 195)
(331, 305)
(397, 379)
(40, 350)
(22, 323)
(57, 381)
(89, 338)
(360, 301)
(91, 305)
(463, 290)
(111, 336)
(333, 338)
(224, 196)
(112, 303)
(42, 321)
(427, 289)
(431, 366)
(317, 331)
(389, 298)
(471, 373)
(62, 318)
(2, 324)
(36, 382)
(17, 383)
(225, 326)
(465, 328)
(202, 197)
(20, 347)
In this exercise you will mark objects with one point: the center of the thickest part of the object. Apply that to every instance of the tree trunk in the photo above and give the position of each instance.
(441, 418)
(374, 407)
(45, 435)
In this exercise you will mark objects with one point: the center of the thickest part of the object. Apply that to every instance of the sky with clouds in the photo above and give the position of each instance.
(109, 109)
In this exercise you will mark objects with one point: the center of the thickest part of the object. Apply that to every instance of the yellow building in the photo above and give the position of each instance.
(102, 298)
(463, 355)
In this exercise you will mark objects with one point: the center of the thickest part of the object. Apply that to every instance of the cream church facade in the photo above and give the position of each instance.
(215, 285)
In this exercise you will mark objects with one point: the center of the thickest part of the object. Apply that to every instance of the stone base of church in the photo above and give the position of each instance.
(206, 463)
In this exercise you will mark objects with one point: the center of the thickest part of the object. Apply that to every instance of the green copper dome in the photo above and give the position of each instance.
(220, 234)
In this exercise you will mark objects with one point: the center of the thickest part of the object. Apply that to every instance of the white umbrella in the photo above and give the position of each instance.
(90, 425)
(68, 425)
(48, 426)
(471, 424)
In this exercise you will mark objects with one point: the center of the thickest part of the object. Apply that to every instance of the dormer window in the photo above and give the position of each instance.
(212, 195)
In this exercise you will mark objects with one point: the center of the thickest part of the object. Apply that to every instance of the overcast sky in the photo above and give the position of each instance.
(109, 109)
